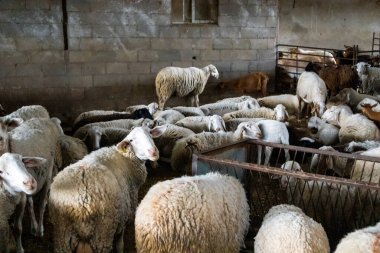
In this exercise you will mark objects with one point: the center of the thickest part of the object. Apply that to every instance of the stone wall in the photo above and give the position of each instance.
(115, 49)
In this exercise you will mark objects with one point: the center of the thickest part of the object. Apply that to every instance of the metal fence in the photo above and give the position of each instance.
(340, 204)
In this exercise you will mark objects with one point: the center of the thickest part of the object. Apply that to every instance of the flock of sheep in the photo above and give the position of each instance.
(90, 179)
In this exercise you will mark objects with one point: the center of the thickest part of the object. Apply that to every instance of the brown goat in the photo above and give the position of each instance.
(251, 83)
(371, 114)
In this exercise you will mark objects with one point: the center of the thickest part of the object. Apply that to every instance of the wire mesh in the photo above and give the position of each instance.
(327, 189)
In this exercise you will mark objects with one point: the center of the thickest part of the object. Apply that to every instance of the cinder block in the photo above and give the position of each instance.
(189, 31)
(111, 80)
(74, 69)
(169, 32)
(104, 56)
(202, 43)
(139, 68)
(256, 21)
(266, 54)
(54, 81)
(125, 30)
(93, 44)
(148, 55)
(14, 57)
(94, 68)
(36, 30)
(240, 66)
(7, 70)
(117, 68)
(7, 44)
(80, 56)
(147, 30)
(76, 93)
(81, 81)
(76, 6)
(210, 32)
(241, 44)
(12, 5)
(169, 55)
(79, 30)
(132, 43)
(248, 55)
(222, 44)
(54, 69)
(230, 32)
(156, 67)
(190, 55)
(210, 55)
(28, 70)
(259, 43)
(126, 56)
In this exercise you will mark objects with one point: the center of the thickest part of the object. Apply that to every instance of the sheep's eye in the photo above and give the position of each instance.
(130, 141)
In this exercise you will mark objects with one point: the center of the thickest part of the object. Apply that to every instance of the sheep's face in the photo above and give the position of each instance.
(281, 113)
(313, 124)
(141, 142)
(213, 71)
(217, 124)
(14, 174)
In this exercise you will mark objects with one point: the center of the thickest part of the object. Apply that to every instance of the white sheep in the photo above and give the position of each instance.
(97, 137)
(327, 134)
(278, 113)
(232, 124)
(286, 228)
(152, 108)
(15, 182)
(332, 161)
(358, 127)
(28, 112)
(168, 116)
(365, 145)
(205, 213)
(72, 150)
(184, 148)
(36, 137)
(198, 124)
(165, 142)
(288, 100)
(275, 132)
(221, 108)
(236, 99)
(365, 170)
(311, 89)
(370, 77)
(336, 114)
(182, 82)
(365, 240)
(189, 110)
(91, 200)
(351, 97)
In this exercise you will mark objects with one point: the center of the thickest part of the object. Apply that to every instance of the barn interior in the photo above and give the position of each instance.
(73, 57)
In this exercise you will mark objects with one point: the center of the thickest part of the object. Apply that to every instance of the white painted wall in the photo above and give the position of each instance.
(329, 23)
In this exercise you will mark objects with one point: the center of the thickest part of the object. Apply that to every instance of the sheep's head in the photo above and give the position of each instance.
(213, 71)
(216, 124)
(280, 113)
(314, 123)
(348, 52)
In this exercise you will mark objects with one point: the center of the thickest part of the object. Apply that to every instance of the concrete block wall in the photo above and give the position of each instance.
(116, 48)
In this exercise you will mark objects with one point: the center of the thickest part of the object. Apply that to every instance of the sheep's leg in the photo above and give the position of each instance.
(41, 208)
(194, 100)
(33, 220)
(268, 153)
(119, 240)
(19, 214)
(259, 150)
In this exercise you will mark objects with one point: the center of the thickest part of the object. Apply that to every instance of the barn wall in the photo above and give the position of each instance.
(115, 49)
(329, 24)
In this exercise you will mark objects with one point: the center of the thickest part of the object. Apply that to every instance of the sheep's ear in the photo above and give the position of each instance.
(33, 162)
(13, 123)
(158, 130)
(122, 146)
(374, 105)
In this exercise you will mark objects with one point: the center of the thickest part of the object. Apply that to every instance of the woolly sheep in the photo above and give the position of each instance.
(221, 108)
(286, 228)
(205, 213)
(311, 89)
(152, 108)
(189, 111)
(327, 133)
(350, 130)
(288, 100)
(168, 116)
(370, 77)
(365, 145)
(28, 112)
(368, 101)
(236, 99)
(98, 137)
(102, 116)
(184, 148)
(351, 97)
(198, 124)
(232, 124)
(15, 182)
(365, 240)
(91, 200)
(335, 115)
(278, 113)
(72, 150)
(35, 137)
(333, 162)
(165, 142)
(365, 170)
(182, 82)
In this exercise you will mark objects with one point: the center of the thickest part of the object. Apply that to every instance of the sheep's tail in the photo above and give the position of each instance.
(84, 247)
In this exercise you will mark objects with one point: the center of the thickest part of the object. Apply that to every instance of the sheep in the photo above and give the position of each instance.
(365, 170)
(311, 89)
(184, 148)
(165, 143)
(336, 114)
(288, 100)
(368, 101)
(247, 84)
(15, 182)
(327, 134)
(336, 163)
(370, 77)
(278, 113)
(168, 116)
(189, 111)
(182, 82)
(236, 99)
(91, 200)
(232, 124)
(286, 228)
(98, 137)
(275, 132)
(351, 97)
(28, 112)
(320, 56)
(367, 110)
(221, 108)
(198, 124)
(152, 108)
(336, 77)
(365, 145)
(102, 116)
(205, 213)
(352, 130)
(35, 137)
(82, 132)
(365, 240)
(72, 150)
